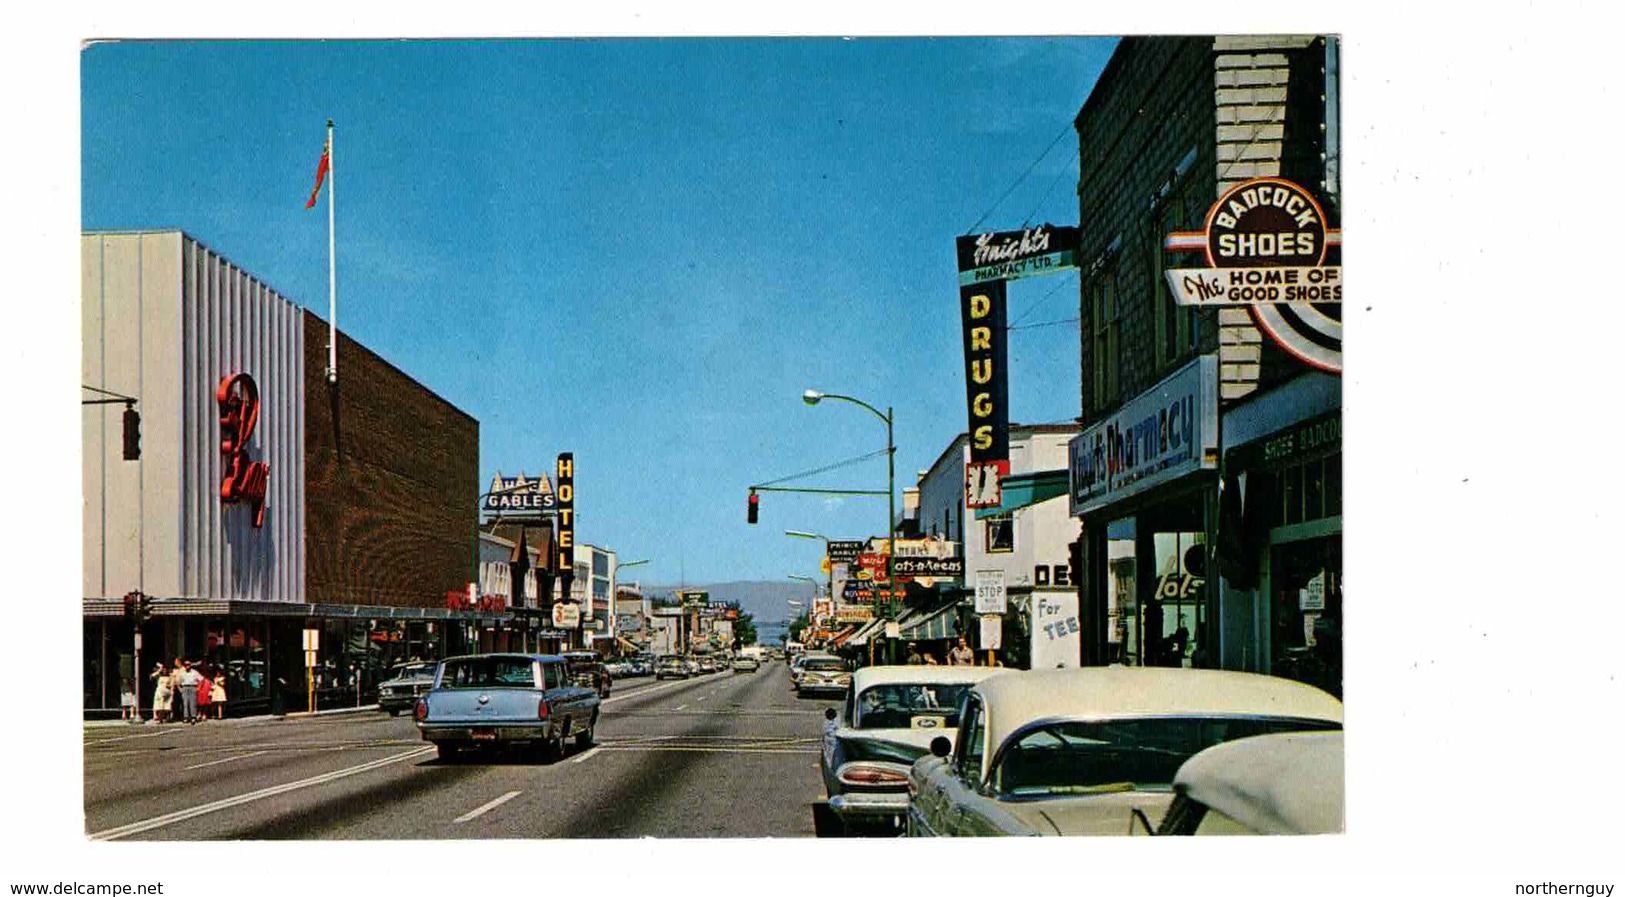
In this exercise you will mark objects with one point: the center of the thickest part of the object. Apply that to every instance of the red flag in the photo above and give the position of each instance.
(321, 175)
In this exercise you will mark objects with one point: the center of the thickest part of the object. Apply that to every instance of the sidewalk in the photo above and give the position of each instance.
(127, 724)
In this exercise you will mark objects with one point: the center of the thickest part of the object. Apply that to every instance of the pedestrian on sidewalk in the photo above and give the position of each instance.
(205, 691)
(161, 694)
(177, 707)
(217, 694)
(126, 699)
(962, 655)
(190, 678)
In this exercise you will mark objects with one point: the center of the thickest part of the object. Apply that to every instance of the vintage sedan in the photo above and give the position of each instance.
(1290, 784)
(823, 674)
(491, 701)
(746, 663)
(587, 670)
(890, 715)
(1092, 751)
(671, 667)
(405, 685)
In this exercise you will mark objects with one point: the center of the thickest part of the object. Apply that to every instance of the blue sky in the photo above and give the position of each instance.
(638, 250)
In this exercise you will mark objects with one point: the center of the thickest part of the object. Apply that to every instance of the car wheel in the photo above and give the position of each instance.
(395, 712)
(448, 753)
(584, 737)
(826, 823)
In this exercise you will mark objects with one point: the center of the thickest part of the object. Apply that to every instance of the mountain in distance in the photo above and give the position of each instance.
(765, 601)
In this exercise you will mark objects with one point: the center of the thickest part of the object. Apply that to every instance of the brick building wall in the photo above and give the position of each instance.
(392, 483)
(1152, 106)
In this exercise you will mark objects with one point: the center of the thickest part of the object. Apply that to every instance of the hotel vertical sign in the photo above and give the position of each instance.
(565, 476)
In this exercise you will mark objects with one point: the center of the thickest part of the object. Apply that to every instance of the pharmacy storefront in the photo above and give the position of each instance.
(1142, 480)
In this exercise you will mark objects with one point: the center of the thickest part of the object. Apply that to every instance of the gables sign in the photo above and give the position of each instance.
(1162, 434)
(521, 496)
(243, 481)
(1266, 242)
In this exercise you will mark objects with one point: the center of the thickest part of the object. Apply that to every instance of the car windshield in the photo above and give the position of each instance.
(895, 705)
(1118, 755)
(671, 661)
(825, 664)
(415, 670)
(489, 672)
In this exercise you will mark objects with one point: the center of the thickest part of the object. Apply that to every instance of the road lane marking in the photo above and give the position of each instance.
(680, 706)
(708, 749)
(644, 691)
(583, 757)
(227, 759)
(146, 825)
(702, 697)
(482, 810)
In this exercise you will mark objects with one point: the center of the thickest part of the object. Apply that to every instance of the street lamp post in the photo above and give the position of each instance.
(829, 570)
(813, 397)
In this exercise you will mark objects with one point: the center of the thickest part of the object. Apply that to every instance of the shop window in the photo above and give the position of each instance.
(1172, 618)
(1122, 601)
(1107, 330)
(999, 534)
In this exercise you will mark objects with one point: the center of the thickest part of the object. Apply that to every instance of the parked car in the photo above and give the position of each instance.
(490, 701)
(1289, 784)
(587, 670)
(1091, 751)
(890, 715)
(746, 663)
(671, 667)
(823, 674)
(406, 683)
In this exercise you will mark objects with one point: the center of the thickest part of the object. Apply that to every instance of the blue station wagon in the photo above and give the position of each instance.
(491, 701)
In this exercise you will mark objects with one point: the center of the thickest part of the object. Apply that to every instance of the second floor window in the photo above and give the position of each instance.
(1178, 327)
(999, 534)
(1107, 329)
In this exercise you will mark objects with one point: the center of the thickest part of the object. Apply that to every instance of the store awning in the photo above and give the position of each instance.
(942, 623)
(844, 634)
(861, 637)
(1023, 489)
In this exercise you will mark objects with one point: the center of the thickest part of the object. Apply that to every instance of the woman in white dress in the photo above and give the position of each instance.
(161, 695)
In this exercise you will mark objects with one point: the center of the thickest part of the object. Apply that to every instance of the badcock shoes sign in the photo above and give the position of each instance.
(1266, 243)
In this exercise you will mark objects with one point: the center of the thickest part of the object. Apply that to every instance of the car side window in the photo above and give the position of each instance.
(968, 753)
(550, 675)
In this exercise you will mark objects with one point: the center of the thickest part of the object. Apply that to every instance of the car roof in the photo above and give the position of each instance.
(1283, 784)
(1018, 698)
(944, 675)
(552, 657)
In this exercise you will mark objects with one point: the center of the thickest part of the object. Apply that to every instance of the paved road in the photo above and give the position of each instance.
(722, 755)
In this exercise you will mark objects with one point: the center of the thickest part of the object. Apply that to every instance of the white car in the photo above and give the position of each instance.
(1093, 751)
(886, 723)
(1289, 784)
(822, 674)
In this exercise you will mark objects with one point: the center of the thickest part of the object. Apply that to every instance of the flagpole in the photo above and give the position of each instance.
(332, 272)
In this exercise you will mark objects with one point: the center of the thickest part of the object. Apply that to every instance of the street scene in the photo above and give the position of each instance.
(531, 485)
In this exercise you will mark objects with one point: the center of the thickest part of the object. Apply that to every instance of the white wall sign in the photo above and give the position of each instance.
(313, 639)
(990, 592)
(567, 616)
(992, 632)
(1313, 595)
(1057, 637)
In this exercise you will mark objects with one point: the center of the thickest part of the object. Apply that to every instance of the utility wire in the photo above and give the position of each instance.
(825, 469)
(972, 229)
(1045, 324)
(1034, 307)
(1045, 194)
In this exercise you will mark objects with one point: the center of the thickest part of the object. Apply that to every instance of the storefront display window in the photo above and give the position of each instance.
(1180, 561)
(1306, 585)
(1122, 606)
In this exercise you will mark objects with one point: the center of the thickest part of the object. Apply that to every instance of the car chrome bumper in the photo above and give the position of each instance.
(871, 806)
(461, 734)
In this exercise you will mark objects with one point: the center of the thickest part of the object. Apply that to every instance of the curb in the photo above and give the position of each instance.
(302, 714)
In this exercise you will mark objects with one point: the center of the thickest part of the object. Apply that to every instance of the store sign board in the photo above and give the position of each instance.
(520, 496)
(854, 613)
(981, 313)
(1011, 255)
(1164, 433)
(695, 598)
(991, 635)
(567, 615)
(914, 566)
(242, 480)
(1265, 241)
(844, 551)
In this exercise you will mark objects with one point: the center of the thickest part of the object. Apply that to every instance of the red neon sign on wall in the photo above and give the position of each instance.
(244, 480)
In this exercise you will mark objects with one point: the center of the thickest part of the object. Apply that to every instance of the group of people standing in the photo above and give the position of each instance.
(186, 691)
(960, 655)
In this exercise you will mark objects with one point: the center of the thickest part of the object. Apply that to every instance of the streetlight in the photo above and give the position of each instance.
(813, 397)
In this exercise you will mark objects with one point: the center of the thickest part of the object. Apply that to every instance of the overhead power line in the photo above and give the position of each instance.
(1006, 195)
(825, 469)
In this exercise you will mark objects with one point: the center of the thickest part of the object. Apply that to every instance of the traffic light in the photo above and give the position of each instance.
(129, 605)
(143, 606)
(132, 433)
(750, 509)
